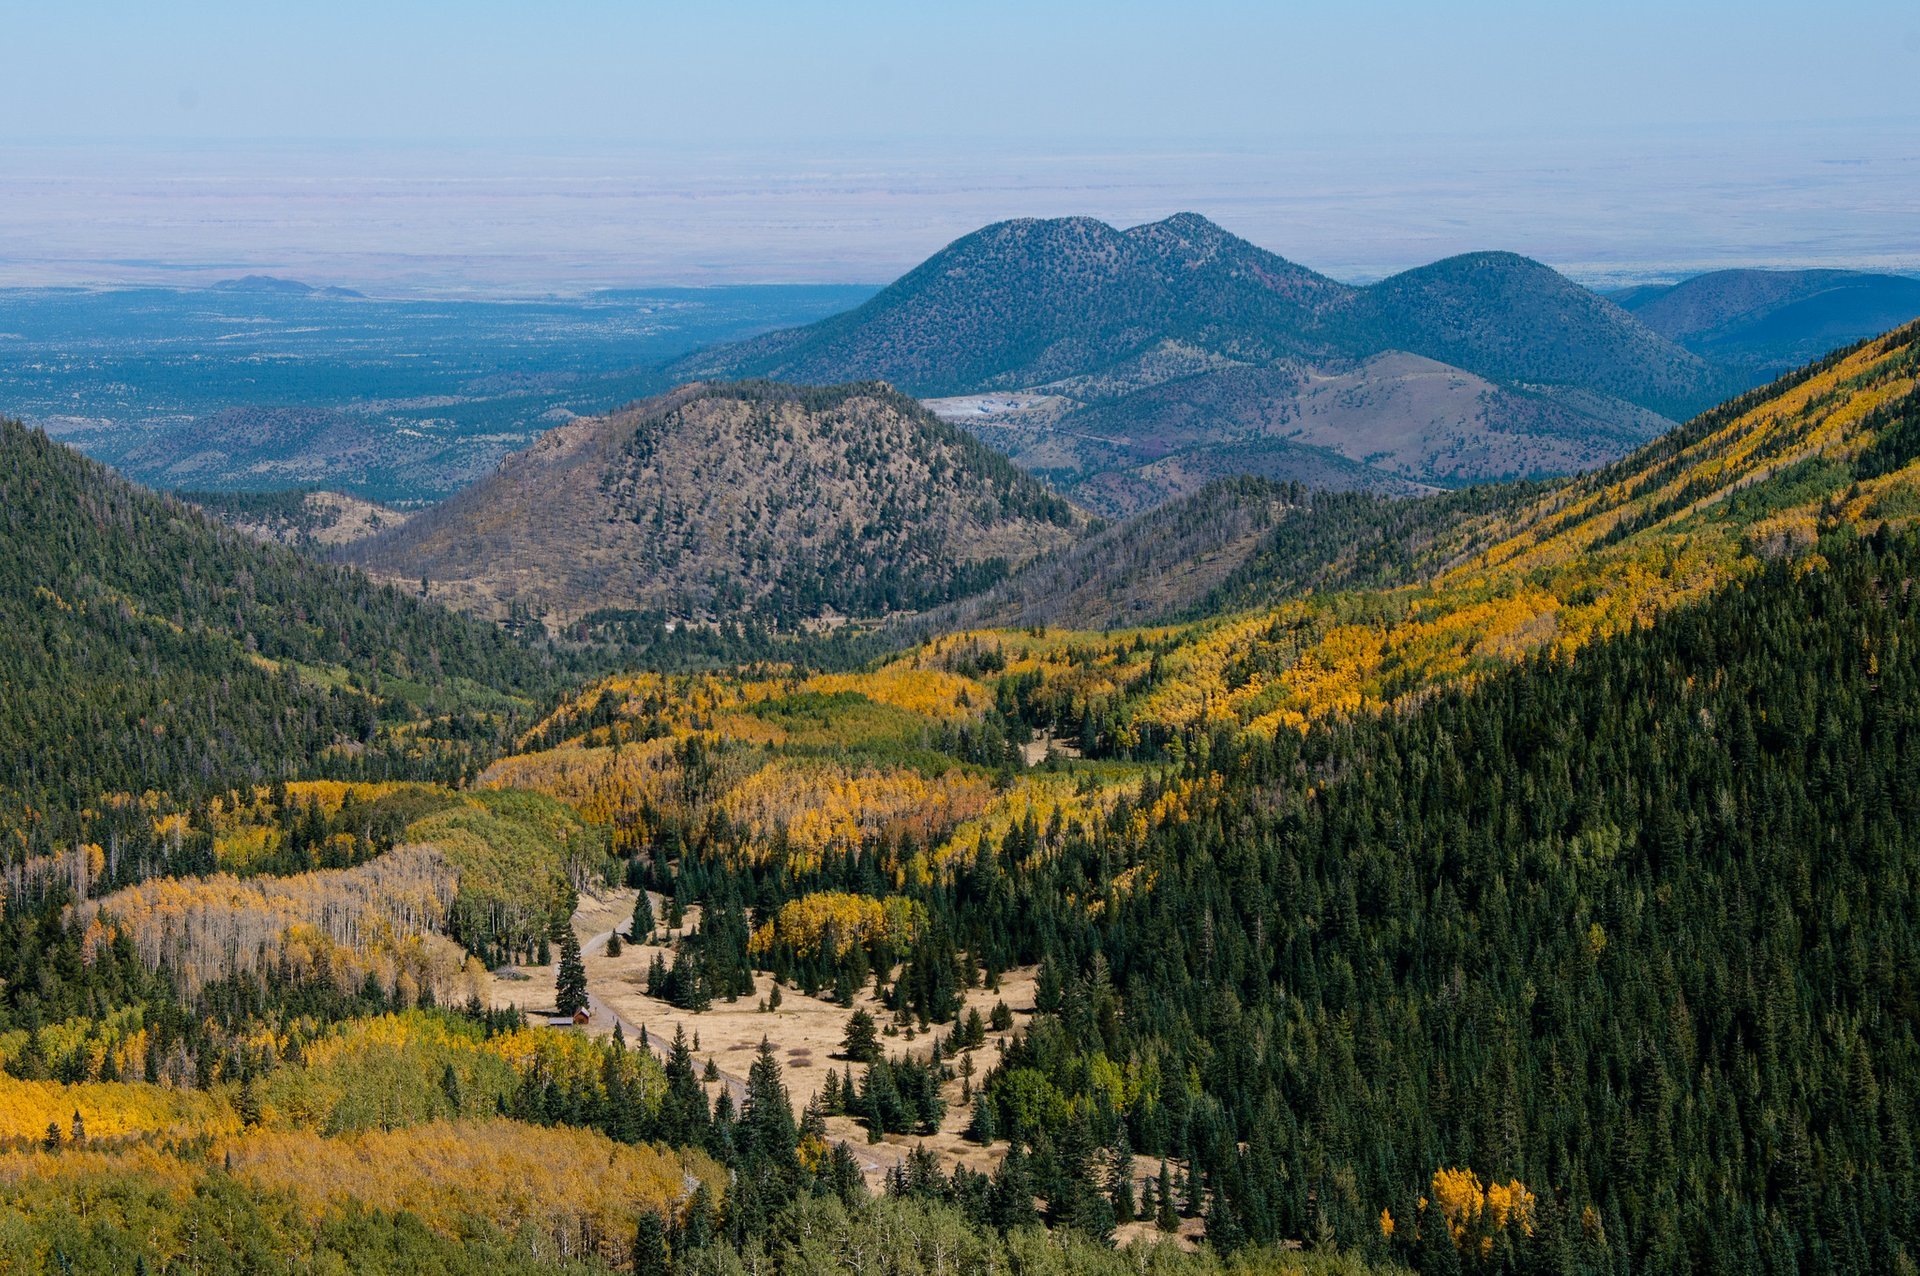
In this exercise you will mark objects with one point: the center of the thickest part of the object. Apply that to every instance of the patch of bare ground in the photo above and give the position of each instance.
(806, 1032)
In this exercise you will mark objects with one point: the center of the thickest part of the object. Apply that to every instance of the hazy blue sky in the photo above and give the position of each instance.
(748, 70)
(569, 143)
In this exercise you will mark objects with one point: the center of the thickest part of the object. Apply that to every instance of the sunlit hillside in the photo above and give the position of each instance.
(1832, 447)
(917, 751)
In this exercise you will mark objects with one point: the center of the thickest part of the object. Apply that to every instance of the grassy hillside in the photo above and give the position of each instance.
(726, 502)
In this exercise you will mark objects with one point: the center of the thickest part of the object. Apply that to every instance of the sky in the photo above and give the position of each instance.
(511, 147)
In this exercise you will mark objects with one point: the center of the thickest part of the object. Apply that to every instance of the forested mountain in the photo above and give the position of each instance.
(1023, 303)
(1172, 353)
(1511, 880)
(1520, 882)
(145, 649)
(1764, 321)
(729, 501)
(1627, 931)
(1512, 320)
(1158, 564)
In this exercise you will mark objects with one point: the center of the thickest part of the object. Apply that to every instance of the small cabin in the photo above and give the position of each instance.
(578, 1019)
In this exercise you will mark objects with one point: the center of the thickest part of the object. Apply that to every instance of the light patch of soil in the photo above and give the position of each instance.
(341, 519)
(968, 409)
(1044, 742)
(806, 1032)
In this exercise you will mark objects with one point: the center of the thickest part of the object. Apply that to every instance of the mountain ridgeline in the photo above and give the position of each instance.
(1028, 303)
(1487, 365)
(1767, 321)
(726, 501)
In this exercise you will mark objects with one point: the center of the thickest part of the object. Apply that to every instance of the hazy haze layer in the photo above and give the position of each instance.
(402, 219)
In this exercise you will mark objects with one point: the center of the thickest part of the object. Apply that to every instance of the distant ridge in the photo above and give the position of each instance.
(1768, 321)
(1525, 372)
(282, 287)
(1759, 475)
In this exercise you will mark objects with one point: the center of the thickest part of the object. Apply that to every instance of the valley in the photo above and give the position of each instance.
(1156, 855)
(960, 640)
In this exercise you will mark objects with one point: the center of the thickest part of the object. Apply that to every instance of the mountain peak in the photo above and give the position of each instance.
(783, 501)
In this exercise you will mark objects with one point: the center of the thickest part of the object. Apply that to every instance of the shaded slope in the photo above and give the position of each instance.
(1767, 320)
(145, 647)
(1137, 571)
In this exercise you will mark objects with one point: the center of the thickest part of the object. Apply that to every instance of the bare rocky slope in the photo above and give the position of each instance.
(730, 501)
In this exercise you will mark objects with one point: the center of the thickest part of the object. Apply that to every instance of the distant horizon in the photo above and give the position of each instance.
(483, 149)
(404, 220)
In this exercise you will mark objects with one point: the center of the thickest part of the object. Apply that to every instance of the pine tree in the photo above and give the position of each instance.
(980, 1127)
(862, 1042)
(642, 926)
(1166, 1218)
(571, 982)
(650, 1256)
(768, 1116)
(449, 1090)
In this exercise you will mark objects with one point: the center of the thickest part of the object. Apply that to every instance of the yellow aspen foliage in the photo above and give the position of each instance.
(925, 692)
(1472, 1211)
(580, 1189)
(812, 922)
(1585, 560)
(825, 806)
(111, 1110)
(1054, 804)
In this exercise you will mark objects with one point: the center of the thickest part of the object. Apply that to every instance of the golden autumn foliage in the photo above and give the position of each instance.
(1472, 1211)
(578, 1187)
(811, 923)
(389, 1071)
(565, 1193)
(109, 1047)
(110, 1110)
(820, 806)
(745, 705)
(385, 1072)
(1587, 559)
